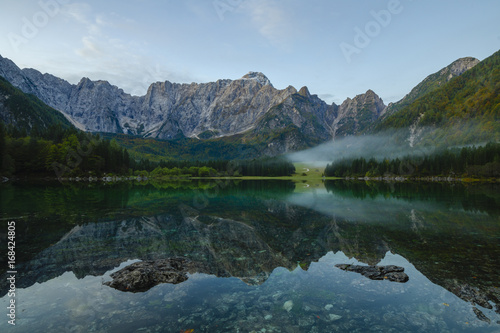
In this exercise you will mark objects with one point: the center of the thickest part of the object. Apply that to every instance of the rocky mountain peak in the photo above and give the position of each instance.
(456, 68)
(371, 96)
(13, 74)
(259, 77)
(304, 91)
(7, 64)
(290, 90)
(461, 65)
(356, 114)
(368, 97)
(84, 81)
(371, 93)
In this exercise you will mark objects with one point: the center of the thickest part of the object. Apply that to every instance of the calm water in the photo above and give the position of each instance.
(264, 256)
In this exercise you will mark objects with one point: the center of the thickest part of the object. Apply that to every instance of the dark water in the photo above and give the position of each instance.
(264, 256)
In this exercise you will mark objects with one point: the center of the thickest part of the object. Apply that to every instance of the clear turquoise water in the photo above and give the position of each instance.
(265, 256)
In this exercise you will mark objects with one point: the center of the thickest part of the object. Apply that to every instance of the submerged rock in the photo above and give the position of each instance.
(288, 305)
(144, 275)
(471, 294)
(334, 317)
(390, 272)
(480, 315)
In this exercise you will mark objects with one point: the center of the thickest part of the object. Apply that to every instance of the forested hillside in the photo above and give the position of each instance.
(187, 149)
(25, 113)
(432, 82)
(465, 110)
(60, 152)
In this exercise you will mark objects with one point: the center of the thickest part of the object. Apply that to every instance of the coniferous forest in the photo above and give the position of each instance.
(483, 162)
(67, 152)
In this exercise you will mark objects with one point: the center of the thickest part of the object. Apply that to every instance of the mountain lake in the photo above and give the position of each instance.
(251, 256)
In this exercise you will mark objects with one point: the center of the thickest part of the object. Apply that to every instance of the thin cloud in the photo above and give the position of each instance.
(105, 54)
(77, 12)
(135, 74)
(329, 98)
(90, 48)
(273, 22)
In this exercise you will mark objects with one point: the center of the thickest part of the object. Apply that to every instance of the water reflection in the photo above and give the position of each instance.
(254, 247)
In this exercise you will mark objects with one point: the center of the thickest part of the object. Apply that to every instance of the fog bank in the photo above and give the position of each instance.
(379, 146)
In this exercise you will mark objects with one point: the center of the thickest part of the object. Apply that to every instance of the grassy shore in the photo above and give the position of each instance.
(306, 176)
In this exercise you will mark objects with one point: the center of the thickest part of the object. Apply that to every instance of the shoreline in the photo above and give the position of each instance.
(430, 179)
(110, 179)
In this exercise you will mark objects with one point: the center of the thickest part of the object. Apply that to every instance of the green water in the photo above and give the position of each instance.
(264, 254)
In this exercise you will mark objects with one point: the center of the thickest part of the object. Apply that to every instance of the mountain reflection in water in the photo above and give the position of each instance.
(263, 256)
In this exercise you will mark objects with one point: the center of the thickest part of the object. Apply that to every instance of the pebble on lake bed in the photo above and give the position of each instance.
(334, 317)
(288, 305)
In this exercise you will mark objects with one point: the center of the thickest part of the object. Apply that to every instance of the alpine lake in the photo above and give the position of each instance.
(251, 256)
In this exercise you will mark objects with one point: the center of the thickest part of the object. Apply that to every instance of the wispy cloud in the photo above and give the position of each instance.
(78, 12)
(273, 21)
(90, 48)
(329, 98)
(107, 55)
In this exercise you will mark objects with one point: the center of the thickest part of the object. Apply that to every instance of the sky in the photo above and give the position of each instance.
(338, 49)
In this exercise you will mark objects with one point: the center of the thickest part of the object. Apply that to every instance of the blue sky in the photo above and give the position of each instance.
(337, 48)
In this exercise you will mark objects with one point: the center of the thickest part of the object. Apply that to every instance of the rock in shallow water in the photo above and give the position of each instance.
(390, 272)
(288, 305)
(480, 315)
(334, 317)
(144, 275)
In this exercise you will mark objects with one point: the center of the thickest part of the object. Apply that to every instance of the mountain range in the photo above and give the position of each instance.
(248, 111)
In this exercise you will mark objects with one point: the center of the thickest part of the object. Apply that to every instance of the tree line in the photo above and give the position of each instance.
(483, 161)
(68, 152)
(270, 167)
(61, 151)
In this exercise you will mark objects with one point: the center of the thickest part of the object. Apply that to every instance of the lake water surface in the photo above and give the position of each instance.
(264, 256)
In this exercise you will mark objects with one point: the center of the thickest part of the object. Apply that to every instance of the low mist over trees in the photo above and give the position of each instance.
(468, 161)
